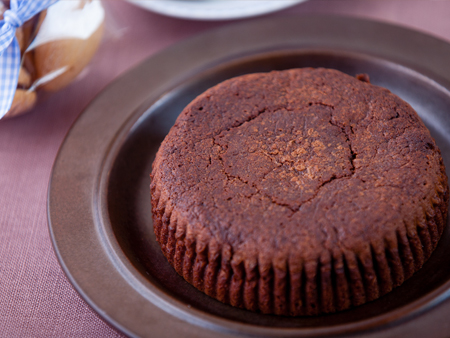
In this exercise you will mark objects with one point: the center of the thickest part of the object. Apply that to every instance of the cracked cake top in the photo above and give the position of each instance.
(296, 163)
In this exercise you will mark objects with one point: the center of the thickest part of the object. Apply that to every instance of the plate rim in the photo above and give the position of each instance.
(52, 204)
(212, 10)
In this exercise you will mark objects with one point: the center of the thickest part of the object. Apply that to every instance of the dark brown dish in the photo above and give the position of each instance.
(99, 214)
(298, 192)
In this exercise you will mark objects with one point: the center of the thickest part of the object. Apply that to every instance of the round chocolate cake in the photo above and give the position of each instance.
(298, 192)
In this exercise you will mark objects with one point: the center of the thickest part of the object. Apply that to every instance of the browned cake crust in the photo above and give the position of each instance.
(298, 192)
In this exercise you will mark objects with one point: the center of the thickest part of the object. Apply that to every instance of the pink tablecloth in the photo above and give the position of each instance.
(36, 299)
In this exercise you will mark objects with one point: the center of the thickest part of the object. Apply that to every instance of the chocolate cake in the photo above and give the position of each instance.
(298, 192)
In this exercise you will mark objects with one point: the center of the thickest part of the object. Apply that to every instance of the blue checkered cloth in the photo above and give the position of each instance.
(19, 12)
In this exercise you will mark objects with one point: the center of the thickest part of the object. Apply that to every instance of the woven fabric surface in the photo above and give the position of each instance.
(36, 299)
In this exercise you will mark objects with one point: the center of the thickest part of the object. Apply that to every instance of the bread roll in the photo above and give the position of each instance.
(24, 78)
(23, 101)
(73, 54)
(66, 42)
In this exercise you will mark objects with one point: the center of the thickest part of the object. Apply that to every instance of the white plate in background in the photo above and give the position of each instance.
(214, 9)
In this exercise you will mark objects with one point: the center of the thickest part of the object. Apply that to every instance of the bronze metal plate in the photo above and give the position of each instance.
(99, 204)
